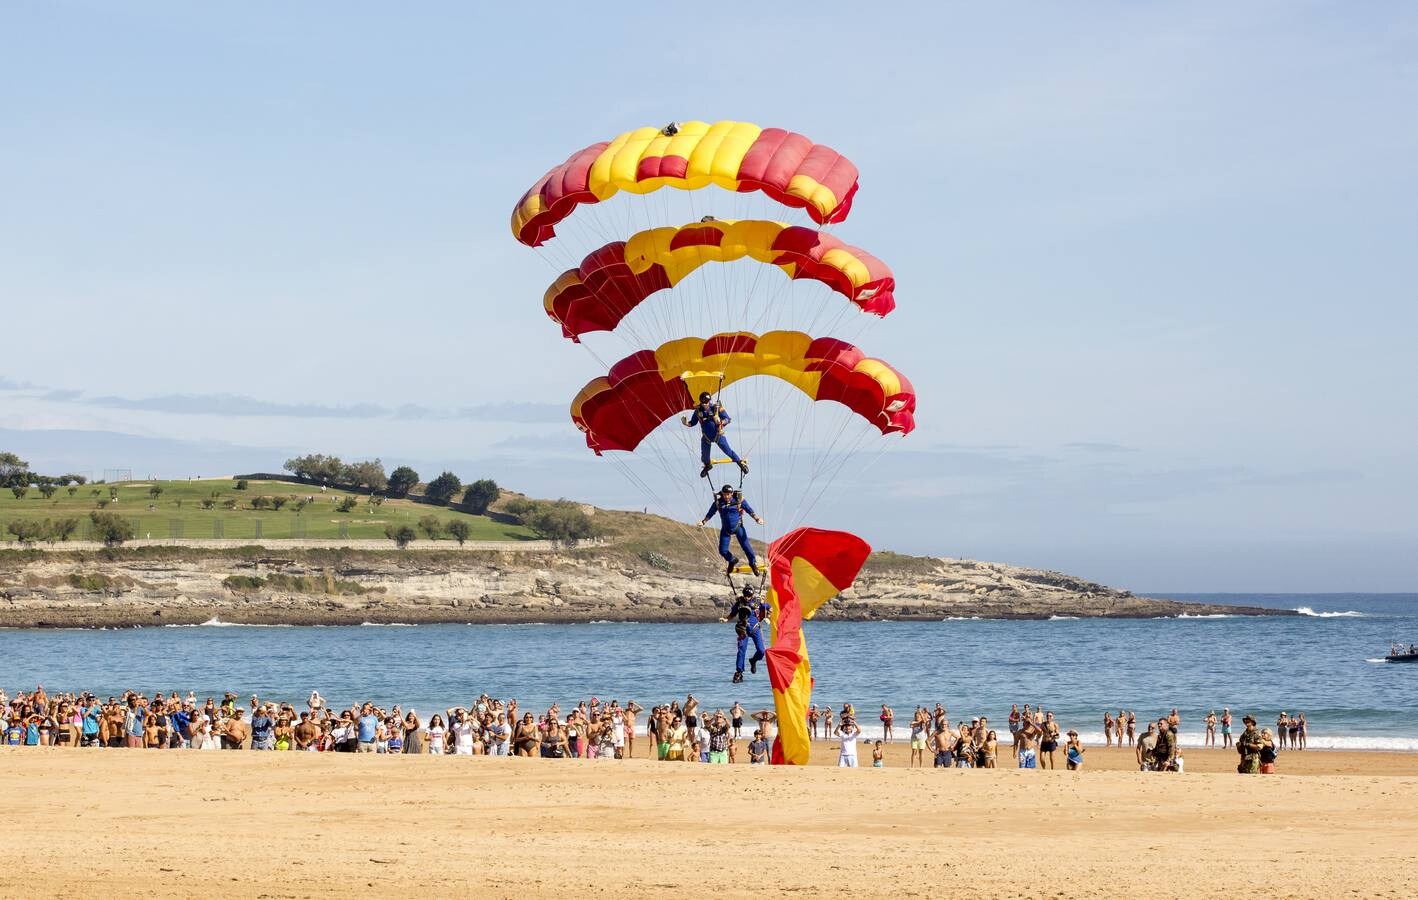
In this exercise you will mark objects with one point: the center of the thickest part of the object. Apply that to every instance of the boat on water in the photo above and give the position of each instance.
(1400, 653)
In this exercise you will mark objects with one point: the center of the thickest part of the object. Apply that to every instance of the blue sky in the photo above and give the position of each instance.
(1155, 261)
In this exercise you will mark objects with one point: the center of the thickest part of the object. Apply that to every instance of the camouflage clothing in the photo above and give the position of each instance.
(1249, 746)
(1166, 750)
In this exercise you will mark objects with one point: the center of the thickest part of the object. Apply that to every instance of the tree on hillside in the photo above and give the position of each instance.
(431, 526)
(317, 467)
(460, 530)
(19, 490)
(111, 528)
(14, 471)
(442, 488)
(47, 490)
(368, 475)
(60, 529)
(480, 495)
(155, 491)
(401, 481)
(561, 521)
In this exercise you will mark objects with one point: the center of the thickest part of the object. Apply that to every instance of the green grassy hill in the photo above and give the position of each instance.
(177, 512)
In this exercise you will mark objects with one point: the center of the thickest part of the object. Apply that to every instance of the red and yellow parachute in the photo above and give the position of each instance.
(640, 392)
(614, 279)
(737, 156)
(806, 567)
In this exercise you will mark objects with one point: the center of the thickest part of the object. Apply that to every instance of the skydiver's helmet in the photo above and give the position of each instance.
(670, 130)
(748, 592)
(726, 489)
(705, 397)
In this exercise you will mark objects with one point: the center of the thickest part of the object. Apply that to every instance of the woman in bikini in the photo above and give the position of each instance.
(887, 715)
(812, 720)
(1295, 731)
(1118, 725)
(1210, 740)
(1108, 728)
(1282, 728)
(1304, 732)
(1132, 727)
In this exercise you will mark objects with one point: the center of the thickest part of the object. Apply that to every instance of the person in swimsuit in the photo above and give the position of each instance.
(526, 737)
(1226, 728)
(1282, 728)
(737, 713)
(989, 753)
(812, 721)
(1074, 752)
(1210, 740)
(887, 715)
(1132, 727)
(877, 756)
(1108, 728)
(1304, 731)
(1295, 732)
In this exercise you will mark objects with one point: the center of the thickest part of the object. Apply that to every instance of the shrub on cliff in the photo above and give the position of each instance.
(431, 526)
(401, 536)
(460, 531)
(111, 528)
(561, 521)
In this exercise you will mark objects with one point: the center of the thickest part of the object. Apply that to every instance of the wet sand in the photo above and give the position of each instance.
(247, 824)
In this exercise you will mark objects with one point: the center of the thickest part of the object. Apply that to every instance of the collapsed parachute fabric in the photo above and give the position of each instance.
(738, 156)
(640, 392)
(615, 279)
(807, 567)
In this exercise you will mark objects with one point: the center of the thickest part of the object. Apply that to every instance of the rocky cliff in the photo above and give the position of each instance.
(620, 581)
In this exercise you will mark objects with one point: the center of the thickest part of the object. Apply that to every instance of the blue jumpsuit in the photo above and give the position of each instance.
(743, 611)
(710, 420)
(731, 513)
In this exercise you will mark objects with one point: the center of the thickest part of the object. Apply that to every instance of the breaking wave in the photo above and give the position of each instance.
(1348, 613)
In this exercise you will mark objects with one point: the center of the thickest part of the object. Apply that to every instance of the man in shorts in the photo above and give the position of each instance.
(368, 728)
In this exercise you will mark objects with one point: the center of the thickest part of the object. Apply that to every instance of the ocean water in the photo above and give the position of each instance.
(1326, 663)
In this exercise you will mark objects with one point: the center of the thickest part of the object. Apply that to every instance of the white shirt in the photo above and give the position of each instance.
(463, 737)
(849, 742)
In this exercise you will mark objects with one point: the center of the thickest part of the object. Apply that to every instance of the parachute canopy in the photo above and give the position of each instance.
(641, 391)
(737, 156)
(613, 280)
(807, 567)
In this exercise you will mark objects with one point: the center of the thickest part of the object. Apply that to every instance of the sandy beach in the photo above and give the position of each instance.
(301, 825)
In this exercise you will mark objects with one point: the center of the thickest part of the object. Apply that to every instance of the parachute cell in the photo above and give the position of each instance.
(737, 156)
(807, 567)
(640, 392)
(613, 280)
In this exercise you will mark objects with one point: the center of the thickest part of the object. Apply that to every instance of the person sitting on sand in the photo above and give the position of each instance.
(1073, 753)
(1145, 745)
(1164, 754)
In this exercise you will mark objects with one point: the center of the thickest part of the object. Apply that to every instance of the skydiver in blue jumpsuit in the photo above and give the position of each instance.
(731, 508)
(712, 419)
(745, 614)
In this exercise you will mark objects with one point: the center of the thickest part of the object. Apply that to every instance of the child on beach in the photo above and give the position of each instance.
(877, 756)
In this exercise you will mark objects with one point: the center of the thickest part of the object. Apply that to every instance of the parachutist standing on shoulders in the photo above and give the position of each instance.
(712, 419)
(745, 615)
(731, 508)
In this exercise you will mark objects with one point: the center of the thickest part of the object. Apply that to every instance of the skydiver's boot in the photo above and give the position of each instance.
(738, 678)
(753, 664)
(754, 567)
(704, 472)
(733, 562)
(743, 467)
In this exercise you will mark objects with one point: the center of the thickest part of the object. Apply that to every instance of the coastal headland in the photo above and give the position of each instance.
(307, 825)
(294, 554)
